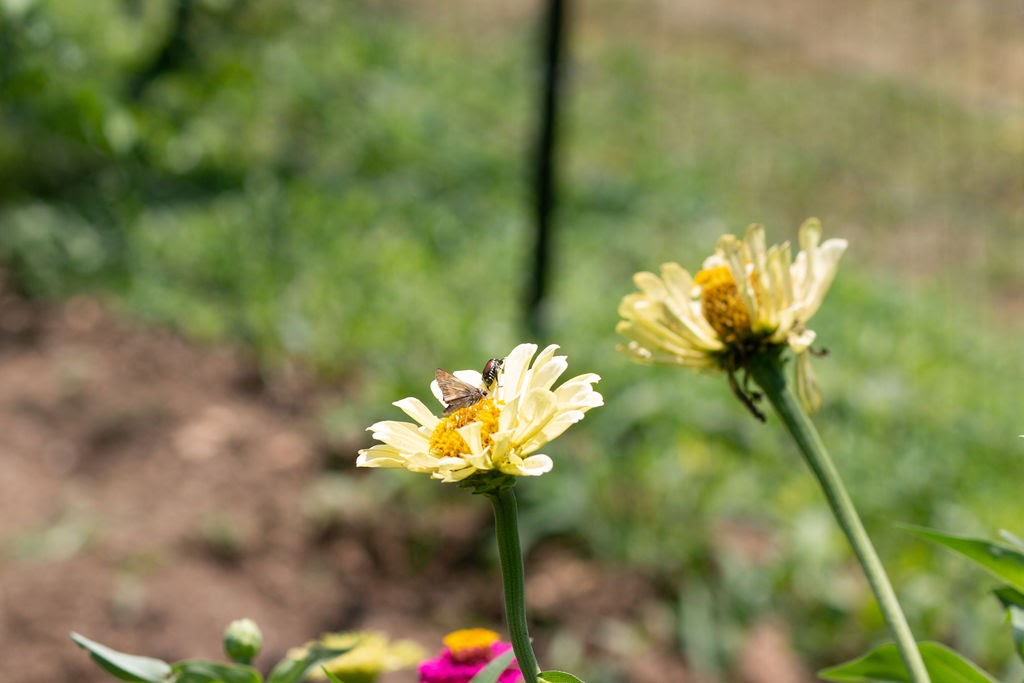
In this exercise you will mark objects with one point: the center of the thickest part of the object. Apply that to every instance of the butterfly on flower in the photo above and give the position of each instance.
(457, 394)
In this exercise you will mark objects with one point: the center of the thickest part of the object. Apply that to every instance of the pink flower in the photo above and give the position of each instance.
(466, 653)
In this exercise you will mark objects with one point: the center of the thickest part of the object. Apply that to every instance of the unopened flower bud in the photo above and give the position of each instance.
(242, 640)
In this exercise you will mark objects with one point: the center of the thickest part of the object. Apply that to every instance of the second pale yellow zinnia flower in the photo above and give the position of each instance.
(747, 298)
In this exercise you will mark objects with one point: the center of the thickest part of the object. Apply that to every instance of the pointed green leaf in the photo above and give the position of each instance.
(333, 678)
(494, 669)
(1013, 600)
(1002, 561)
(559, 677)
(196, 671)
(290, 670)
(1012, 539)
(126, 667)
(884, 665)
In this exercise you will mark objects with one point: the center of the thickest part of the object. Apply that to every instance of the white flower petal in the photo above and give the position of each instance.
(685, 310)
(734, 252)
(422, 462)
(471, 377)
(806, 386)
(650, 284)
(414, 408)
(514, 371)
(552, 429)
(578, 392)
(653, 334)
(545, 356)
(472, 434)
(453, 469)
(404, 436)
(544, 376)
(533, 466)
(801, 341)
(536, 409)
(381, 455)
(501, 446)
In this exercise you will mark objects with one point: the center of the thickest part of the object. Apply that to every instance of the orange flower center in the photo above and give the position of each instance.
(446, 441)
(471, 644)
(722, 305)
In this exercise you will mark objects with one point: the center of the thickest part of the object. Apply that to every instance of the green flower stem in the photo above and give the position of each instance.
(511, 557)
(767, 371)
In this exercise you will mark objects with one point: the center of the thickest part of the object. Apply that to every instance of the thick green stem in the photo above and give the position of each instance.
(767, 371)
(511, 558)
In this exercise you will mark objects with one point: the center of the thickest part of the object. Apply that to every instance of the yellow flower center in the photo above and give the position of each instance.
(446, 441)
(470, 644)
(722, 305)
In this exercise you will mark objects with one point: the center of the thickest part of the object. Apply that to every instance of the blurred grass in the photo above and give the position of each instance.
(344, 183)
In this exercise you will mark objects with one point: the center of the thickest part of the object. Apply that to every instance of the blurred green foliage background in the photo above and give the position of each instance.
(346, 184)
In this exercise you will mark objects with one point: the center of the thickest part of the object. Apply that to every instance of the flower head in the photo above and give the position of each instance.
(499, 433)
(242, 640)
(466, 653)
(372, 654)
(746, 299)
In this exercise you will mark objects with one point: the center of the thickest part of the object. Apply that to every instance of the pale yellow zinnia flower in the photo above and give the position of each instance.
(498, 434)
(746, 299)
(372, 653)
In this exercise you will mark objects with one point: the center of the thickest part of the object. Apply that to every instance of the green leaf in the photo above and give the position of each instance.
(333, 678)
(884, 665)
(214, 672)
(1013, 600)
(126, 667)
(559, 677)
(1002, 561)
(1012, 539)
(290, 670)
(494, 669)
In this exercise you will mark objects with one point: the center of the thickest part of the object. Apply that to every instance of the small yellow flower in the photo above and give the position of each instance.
(499, 433)
(747, 298)
(372, 654)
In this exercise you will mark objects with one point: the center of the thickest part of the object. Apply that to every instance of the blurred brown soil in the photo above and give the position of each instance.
(970, 50)
(152, 490)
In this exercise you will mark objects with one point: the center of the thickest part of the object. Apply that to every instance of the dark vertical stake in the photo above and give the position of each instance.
(544, 178)
(172, 54)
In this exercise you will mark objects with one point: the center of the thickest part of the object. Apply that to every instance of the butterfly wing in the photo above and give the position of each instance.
(455, 393)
